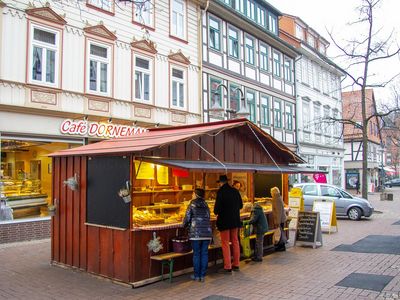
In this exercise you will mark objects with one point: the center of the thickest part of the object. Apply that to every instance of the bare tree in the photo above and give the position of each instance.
(361, 53)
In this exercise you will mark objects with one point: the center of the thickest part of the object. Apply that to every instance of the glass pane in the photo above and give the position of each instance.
(214, 24)
(234, 98)
(174, 93)
(181, 94)
(44, 36)
(98, 51)
(138, 85)
(177, 6)
(50, 66)
(93, 75)
(233, 33)
(180, 26)
(142, 63)
(177, 73)
(37, 63)
(174, 23)
(103, 78)
(146, 88)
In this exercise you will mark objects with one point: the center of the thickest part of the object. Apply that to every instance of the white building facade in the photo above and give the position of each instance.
(69, 66)
(247, 69)
(318, 98)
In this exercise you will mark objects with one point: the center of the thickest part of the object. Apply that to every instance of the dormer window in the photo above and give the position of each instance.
(299, 32)
(311, 40)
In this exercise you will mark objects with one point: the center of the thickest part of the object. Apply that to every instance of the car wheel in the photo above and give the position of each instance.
(354, 213)
(389, 186)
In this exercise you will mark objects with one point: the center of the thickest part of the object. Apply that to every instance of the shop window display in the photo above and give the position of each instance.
(25, 176)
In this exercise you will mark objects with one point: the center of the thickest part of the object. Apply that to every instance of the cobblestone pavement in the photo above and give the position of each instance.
(298, 273)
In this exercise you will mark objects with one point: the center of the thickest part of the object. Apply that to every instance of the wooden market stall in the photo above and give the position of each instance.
(115, 196)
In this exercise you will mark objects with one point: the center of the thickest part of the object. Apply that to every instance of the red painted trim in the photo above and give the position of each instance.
(178, 39)
(101, 10)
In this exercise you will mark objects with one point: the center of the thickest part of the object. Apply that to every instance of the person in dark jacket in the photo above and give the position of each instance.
(227, 208)
(197, 219)
(259, 221)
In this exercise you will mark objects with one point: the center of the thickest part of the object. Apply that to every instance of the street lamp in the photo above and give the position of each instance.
(242, 112)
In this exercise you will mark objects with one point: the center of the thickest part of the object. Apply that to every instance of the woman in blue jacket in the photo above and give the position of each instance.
(197, 219)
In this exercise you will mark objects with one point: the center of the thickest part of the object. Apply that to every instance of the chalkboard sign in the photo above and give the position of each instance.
(308, 229)
(105, 177)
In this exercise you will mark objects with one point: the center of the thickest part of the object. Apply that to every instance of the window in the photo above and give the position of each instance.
(44, 56)
(215, 93)
(316, 72)
(265, 110)
(325, 82)
(263, 58)
(277, 114)
(311, 40)
(249, 51)
(289, 116)
(106, 5)
(322, 48)
(276, 56)
(328, 191)
(215, 35)
(234, 97)
(272, 23)
(261, 16)
(306, 115)
(304, 70)
(144, 12)
(310, 190)
(250, 10)
(99, 68)
(288, 69)
(178, 88)
(251, 104)
(233, 3)
(317, 118)
(299, 32)
(327, 127)
(233, 43)
(26, 166)
(178, 24)
(142, 79)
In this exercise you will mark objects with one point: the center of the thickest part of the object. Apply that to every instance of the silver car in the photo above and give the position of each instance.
(346, 204)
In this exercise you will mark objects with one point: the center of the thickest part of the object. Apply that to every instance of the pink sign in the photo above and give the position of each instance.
(319, 178)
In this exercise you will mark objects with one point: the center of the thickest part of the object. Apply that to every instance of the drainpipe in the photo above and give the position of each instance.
(297, 112)
(200, 57)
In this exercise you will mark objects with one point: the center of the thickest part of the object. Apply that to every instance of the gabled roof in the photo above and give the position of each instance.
(158, 137)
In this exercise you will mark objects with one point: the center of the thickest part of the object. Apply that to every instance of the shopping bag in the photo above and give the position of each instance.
(277, 235)
(245, 241)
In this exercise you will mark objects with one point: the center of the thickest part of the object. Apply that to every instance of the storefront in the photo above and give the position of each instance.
(26, 170)
(125, 193)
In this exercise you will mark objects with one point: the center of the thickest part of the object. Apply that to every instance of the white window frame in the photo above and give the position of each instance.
(178, 81)
(277, 120)
(317, 118)
(216, 31)
(249, 50)
(148, 10)
(288, 68)
(231, 41)
(289, 109)
(264, 57)
(45, 46)
(299, 32)
(273, 23)
(101, 4)
(311, 40)
(306, 115)
(98, 59)
(276, 64)
(143, 71)
(179, 15)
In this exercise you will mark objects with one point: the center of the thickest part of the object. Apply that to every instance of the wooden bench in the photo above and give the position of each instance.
(167, 259)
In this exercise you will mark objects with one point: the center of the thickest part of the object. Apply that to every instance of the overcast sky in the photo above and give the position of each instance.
(334, 15)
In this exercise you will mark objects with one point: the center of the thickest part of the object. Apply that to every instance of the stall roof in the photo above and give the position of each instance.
(158, 137)
(233, 167)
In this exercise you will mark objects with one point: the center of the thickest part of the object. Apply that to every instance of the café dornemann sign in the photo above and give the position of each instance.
(95, 129)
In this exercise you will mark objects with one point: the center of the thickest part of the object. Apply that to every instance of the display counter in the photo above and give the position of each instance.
(23, 196)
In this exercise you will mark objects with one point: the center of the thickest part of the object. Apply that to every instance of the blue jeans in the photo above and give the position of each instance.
(200, 257)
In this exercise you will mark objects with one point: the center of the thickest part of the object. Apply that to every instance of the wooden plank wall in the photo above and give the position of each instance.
(94, 249)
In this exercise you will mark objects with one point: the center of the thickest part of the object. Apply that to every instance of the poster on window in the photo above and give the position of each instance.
(352, 180)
